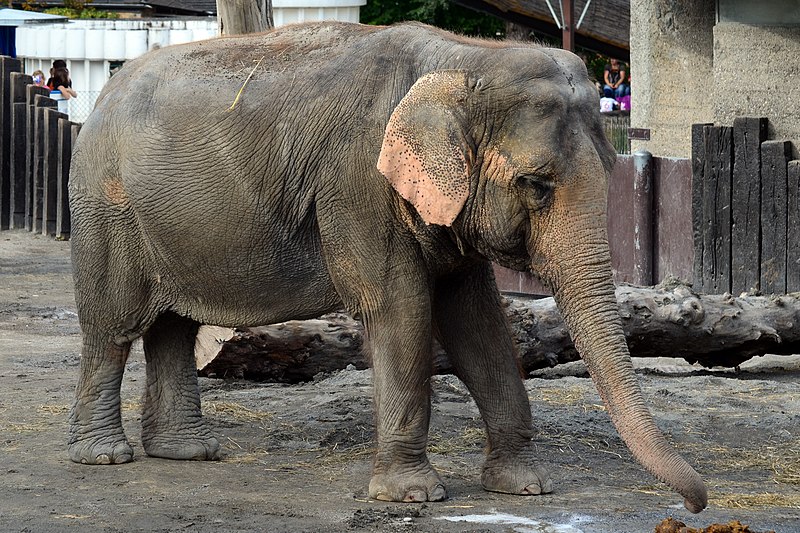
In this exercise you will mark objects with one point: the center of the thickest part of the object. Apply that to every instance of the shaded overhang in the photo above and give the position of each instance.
(602, 25)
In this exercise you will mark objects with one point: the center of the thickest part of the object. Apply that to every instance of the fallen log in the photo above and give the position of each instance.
(668, 320)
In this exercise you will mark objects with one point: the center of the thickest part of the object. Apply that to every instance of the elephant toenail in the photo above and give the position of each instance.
(417, 495)
(438, 494)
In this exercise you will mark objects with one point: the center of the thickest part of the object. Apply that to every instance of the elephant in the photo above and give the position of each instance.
(250, 180)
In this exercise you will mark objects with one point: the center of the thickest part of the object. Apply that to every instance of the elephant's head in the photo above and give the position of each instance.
(515, 160)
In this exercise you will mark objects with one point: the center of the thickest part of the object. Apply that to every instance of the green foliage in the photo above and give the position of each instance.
(440, 13)
(83, 13)
(595, 64)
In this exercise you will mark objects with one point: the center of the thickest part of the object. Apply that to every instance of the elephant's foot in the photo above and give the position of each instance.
(103, 450)
(197, 446)
(408, 484)
(515, 473)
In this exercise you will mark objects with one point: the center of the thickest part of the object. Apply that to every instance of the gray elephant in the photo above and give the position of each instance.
(255, 179)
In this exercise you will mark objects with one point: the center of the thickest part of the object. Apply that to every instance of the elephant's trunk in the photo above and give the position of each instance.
(585, 295)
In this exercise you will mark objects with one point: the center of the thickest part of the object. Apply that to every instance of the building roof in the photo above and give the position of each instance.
(605, 27)
(197, 8)
(18, 17)
(178, 7)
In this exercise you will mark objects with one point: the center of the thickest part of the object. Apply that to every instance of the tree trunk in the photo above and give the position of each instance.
(244, 16)
(666, 321)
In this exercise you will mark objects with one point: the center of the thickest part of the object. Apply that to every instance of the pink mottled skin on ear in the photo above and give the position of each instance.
(421, 155)
(411, 176)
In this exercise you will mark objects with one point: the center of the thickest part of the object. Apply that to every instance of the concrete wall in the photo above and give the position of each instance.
(672, 73)
(757, 73)
(688, 69)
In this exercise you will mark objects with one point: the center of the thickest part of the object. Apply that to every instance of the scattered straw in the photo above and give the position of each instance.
(53, 409)
(470, 439)
(131, 405)
(749, 501)
(239, 94)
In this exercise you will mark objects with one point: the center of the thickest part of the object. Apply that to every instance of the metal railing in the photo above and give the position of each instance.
(616, 125)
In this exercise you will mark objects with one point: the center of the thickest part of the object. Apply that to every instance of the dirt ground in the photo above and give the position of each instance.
(297, 458)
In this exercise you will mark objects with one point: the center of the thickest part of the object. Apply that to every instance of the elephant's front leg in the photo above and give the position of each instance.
(400, 342)
(172, 423)
(474, 331)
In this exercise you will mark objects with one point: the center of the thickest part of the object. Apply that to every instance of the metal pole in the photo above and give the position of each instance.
(568, 27)
(643, 241)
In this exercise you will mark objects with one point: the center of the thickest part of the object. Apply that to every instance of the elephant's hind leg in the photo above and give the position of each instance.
(172, 424)
(95, 434)
(474, 331)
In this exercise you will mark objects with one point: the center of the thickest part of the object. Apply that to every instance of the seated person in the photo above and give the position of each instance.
(614, 77)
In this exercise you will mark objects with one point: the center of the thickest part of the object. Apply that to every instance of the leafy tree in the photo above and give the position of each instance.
(441, 13)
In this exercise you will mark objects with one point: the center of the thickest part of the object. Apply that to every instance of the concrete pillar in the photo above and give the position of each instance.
(672, 75)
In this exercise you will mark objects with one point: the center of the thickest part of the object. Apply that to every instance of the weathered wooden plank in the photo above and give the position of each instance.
(7, 66)
(774, 203)
(65, 136)
(41, 103)
(674, 244)
(748, 134)
(32, 91)
(17, 157)
(717, 176)
(50, 171)
(793, 228)
(698, 166)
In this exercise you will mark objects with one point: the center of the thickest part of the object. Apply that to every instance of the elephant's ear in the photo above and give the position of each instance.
(423, 153)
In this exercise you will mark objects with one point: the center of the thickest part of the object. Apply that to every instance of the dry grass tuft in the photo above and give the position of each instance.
(469, 439)
(783, 460)
(556, 396)
(54, 409)
(749, 501)
(131, 405)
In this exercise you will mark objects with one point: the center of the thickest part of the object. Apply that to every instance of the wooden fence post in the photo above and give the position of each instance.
(793, 229)
(30, 142)
(774, 215)
(65, 142)
(717, 176)
(698, 166)
(19, 124)
(41, 103)
(7, 66)
(748, 134)
(50, 172)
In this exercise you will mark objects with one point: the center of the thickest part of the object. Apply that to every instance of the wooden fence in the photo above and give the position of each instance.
(745, 210)
(35, 150)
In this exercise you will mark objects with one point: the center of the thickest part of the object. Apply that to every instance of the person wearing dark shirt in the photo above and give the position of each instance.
(614, 78)
(58, 64)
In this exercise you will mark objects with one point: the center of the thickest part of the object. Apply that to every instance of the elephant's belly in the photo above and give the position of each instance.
(251, 286)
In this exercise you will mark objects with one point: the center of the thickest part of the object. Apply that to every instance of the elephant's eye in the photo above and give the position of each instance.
(537, 188)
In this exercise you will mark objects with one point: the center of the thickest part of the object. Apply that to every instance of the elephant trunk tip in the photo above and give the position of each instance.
(697, 502)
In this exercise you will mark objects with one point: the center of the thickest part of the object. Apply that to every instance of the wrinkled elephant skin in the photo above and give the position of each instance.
(378, 169)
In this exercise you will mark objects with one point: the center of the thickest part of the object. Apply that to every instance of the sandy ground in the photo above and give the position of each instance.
(297, 458)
